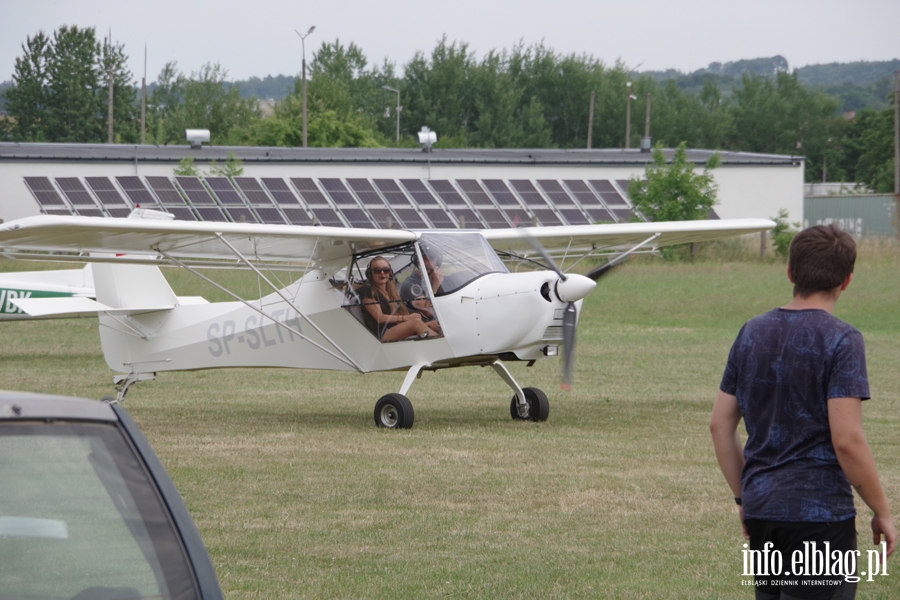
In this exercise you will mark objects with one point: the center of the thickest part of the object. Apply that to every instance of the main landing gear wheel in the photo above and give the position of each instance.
(538, 406)
(394, 411)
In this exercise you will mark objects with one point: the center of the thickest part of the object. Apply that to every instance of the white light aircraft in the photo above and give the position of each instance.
(365, 299)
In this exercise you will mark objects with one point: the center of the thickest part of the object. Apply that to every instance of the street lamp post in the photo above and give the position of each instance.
(390, 89)
(628, 100)
(303, 83)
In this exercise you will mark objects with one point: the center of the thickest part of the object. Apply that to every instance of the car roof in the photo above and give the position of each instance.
(29, 406)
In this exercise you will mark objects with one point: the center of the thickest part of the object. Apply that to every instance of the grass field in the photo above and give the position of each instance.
(298, 495)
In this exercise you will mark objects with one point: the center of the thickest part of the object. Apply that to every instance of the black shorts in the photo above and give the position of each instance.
(802, 560)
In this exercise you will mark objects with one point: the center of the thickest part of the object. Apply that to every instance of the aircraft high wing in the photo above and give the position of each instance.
(364, 299)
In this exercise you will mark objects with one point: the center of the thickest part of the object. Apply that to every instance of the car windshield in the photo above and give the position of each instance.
(79, 518)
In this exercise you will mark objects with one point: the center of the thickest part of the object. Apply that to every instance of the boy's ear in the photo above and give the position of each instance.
(846, 282)
(789, 276)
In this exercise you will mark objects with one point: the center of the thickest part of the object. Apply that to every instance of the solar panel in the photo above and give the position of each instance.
(392, 192)
(195, 191)
(253, 192)
(166, 192)
(468, 218)
(557, 194)
(528, 193)
(419, 192)
(384, 218)
(75, 193)
(136, 191)
(500, 192)
(273, 217)
(240, 214)
(223, 190)
(602, 185)
(357, 217)
(602, 215)
(574, 216)
(280, 191)
(106, 192)
(309, 192)
(624, 215)
(338, 192)
(492, 217)
(547, 217)
(297, 216)
(447, 192)
(410, 218)
(582, 193)
(46, 195)
(326, 216)
(210, 213)
(476, 195)
(365, 192)
(439, 218)
(119, 213)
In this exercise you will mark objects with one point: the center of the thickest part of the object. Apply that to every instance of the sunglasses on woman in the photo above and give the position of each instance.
(385, 270)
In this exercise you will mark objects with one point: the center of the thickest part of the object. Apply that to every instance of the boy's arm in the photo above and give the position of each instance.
(723, 425)
(855, 458)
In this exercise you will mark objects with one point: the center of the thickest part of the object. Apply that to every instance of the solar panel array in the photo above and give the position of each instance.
(352, 202)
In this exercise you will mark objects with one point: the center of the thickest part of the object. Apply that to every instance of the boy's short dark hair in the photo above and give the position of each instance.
(820, 258)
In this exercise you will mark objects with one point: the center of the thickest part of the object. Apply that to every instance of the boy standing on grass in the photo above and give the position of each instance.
(797, 376)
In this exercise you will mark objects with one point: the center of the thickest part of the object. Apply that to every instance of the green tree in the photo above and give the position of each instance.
(201, 101)
(26, 100)
(868, 150)
(61, 89)
(74, 89)
(673, 192)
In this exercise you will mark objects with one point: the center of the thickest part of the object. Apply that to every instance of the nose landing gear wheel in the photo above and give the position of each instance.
(394, 411)
(538, 406)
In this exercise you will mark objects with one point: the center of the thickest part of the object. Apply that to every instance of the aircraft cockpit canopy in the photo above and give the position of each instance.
(385, 286)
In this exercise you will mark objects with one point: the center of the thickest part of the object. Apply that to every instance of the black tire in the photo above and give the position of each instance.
(538, 406)
(394, 411)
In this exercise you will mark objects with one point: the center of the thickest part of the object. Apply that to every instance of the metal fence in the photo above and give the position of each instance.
(860, 215)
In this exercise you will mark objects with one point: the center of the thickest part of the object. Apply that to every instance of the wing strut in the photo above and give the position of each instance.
(345, 359)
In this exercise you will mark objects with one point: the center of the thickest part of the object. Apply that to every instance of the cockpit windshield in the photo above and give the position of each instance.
(391, 291)
(460, 257)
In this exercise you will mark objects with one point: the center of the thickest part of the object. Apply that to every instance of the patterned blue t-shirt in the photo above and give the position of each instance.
(783, 368)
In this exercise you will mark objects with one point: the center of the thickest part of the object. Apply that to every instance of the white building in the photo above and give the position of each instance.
(384, 187)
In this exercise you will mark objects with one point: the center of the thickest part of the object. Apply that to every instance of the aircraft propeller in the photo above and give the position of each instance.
(570, 288)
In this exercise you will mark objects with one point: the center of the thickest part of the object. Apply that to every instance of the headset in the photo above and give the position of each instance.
(369, 269)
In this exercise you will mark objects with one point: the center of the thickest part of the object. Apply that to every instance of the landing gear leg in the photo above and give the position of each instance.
(528, 404)
(123, 383)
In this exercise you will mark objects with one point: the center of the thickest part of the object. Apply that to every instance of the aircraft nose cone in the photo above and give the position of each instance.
(574, 288)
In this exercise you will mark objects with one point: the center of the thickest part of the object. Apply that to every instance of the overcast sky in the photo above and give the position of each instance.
(257, 37)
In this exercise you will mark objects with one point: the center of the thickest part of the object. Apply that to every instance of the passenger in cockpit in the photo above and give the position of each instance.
(413, 289)
(385, 314)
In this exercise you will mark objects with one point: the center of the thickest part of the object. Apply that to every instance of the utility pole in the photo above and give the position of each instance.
(628, 98)
(303, 83)
(591, 123)
(144, 97)
(109, 120)
(897, 147)
(647, 121)
(390, 89)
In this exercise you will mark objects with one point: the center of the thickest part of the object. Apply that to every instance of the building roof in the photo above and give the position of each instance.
(28, 152)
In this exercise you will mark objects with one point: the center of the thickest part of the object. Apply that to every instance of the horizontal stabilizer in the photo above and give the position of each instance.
(76, 307)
